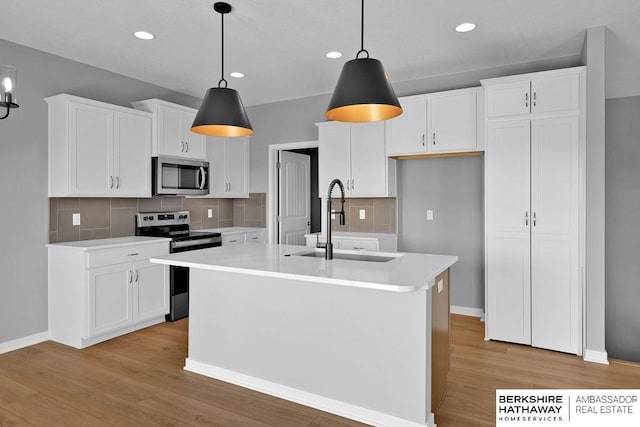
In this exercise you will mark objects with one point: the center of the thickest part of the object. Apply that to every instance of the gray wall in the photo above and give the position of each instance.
(594, 58)
(623, 228)
(23, 174)
(453, 188)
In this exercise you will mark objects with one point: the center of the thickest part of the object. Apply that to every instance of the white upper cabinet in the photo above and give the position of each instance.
(556, 91)
(443, 122)
(355, 154)
(172, 134)
(97, 149)
(228, 167)
(407, 133)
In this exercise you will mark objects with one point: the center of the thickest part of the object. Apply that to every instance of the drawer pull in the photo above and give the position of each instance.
(134, 254)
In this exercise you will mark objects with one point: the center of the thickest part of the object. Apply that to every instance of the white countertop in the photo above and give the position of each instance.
(355, 235)
(108, 243)
(408, 272)
(232, 230)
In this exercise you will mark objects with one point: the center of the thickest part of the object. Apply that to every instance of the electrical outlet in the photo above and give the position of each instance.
(76, 219)
(333, 214)
(209, 213)
(363, 214)
(429, 215)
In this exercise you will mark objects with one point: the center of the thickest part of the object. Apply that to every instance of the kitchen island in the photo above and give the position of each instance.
(350, 336)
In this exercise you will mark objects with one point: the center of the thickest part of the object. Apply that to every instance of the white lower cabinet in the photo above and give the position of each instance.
(98, 293)
(376, 242)
(234, 238)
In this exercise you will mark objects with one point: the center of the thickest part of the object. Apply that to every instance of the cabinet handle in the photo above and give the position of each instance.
(434, 138)
(187, 144)
(254, 238)
(352, 184)
(526, 100)
(117, 182)
(133, 254)
(130, 274)
(110, 181)
(534, 219)
(182, 146)
(526, 218)
(229, 186)
(137, 275)
(423, 140)
(534, 99)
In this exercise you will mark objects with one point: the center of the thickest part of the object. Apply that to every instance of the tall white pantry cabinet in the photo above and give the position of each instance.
(535, 208)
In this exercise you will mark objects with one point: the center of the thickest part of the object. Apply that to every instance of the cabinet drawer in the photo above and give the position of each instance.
(111, 256)
(232, 239)
(254, 237)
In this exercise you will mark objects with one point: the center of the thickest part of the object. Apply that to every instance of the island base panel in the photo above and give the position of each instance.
(366, 348)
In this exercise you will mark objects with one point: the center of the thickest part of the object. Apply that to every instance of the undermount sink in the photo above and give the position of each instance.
(368, 257)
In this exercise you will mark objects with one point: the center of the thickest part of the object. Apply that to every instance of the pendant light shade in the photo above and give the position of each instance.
(363, 92)
(221, 112)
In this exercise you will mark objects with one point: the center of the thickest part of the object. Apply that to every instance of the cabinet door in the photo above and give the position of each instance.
(170, 142)
(368, 160)
(508, 176)
(555, 93)
(216, 159)
(508, 99)
(508, 231)
(132, 155)
(237, 167)
(334, 156)
(357, 245)
(453, 123)
(407, 133)
(90, 150)
(555, 282)
(109, 297)
(195, 147)
(151, 290)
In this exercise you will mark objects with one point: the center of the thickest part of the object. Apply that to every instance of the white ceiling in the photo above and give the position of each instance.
(280, 44)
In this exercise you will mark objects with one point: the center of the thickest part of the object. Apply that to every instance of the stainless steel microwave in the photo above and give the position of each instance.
(178, 176)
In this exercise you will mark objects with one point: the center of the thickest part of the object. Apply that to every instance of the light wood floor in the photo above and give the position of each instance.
(138, 380)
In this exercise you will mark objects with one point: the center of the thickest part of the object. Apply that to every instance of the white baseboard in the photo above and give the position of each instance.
(467, 311)
(322, 403)
(595, 356)
(19, 343)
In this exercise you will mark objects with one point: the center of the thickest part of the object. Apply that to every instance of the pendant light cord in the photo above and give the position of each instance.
(222, 79)
(362, 49)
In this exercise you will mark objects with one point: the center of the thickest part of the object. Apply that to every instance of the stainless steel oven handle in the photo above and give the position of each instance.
(197, 242)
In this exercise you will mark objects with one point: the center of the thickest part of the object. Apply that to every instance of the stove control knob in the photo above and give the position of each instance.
(182, 217)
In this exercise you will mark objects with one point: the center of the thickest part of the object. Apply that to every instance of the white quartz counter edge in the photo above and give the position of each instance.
(114, 242)
(410, 272)
(354, 235)
(232, 230)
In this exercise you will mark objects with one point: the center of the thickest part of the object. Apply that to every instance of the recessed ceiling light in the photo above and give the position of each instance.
(237, 74)
(334, 54)
(466, 27)
(143, 35)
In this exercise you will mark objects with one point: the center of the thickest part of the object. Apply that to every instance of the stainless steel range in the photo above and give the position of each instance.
(175, 225)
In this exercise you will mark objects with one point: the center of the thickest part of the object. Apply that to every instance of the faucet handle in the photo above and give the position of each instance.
(342, 217)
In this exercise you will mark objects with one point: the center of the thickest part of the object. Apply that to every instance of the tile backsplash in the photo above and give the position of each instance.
(115, 217)
(380, 215)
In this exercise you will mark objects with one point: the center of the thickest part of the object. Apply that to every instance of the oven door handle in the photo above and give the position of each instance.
(203, 173)
(196, 242)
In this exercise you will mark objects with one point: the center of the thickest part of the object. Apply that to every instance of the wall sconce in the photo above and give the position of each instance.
(8, 83)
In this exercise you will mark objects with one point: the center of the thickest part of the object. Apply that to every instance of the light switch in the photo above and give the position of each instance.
(440, 285)
(362, 214)
(76, 219)
(209, 213)
(429, 215)
(333, 214)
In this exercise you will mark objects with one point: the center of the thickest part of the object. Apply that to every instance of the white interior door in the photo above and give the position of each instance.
(294, 200)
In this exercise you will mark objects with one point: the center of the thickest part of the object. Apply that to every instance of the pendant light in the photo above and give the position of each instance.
(363, 92)
(222, 112)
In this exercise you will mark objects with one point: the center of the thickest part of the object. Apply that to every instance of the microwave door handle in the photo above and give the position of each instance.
(204, 174)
